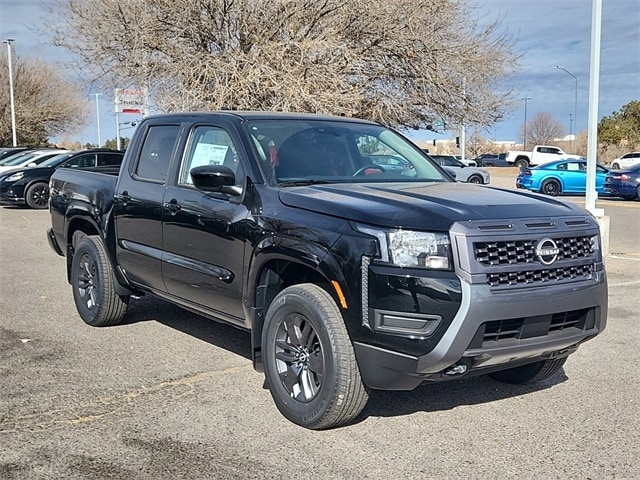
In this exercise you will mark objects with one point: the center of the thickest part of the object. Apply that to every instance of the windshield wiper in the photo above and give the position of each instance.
(302, 183)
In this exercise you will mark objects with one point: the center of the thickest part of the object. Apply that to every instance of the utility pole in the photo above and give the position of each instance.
(524, 139)
(98, 117)
(575, 108)
(13, 107)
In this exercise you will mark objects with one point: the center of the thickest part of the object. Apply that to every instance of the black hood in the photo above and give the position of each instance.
(434, 206)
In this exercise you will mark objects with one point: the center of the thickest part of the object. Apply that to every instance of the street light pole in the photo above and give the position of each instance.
(98, 117)
(13, 108)
(575, 108)
(524, 139)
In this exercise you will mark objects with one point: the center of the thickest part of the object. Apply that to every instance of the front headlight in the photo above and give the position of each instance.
(14, 177)
(408, 248)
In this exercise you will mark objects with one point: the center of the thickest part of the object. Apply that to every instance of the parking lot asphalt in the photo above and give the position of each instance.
(170, 395)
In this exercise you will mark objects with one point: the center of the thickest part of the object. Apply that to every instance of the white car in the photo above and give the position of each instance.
(626, 161)
(29, 158)
(462, 172)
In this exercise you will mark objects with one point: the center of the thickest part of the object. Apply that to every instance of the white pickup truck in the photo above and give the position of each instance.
(539, 155)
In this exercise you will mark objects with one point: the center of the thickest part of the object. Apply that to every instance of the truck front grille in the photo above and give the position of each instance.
(523, 251)
(544, 276)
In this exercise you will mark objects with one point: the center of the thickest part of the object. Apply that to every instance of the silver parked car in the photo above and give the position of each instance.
(462, 172)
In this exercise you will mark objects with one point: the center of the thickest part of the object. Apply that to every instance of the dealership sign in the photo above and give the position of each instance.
(130, 101)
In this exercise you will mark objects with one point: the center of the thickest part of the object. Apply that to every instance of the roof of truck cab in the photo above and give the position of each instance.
(255, 115)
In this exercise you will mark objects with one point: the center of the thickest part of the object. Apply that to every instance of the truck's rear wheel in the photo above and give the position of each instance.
(308, 358)
(522, 162)
(534, 372)
(93, 285)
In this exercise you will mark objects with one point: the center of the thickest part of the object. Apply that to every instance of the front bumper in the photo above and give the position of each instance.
(505, 308)
(495, 331)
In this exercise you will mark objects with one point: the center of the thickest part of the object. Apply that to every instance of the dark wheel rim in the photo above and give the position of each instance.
(87, 281)
(299, 358)
(475, 180)
(40, 196)
(551, 188)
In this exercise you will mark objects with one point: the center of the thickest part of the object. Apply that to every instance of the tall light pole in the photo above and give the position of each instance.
(575, 107)
(524, 139)
(13, 108)
(98, 117)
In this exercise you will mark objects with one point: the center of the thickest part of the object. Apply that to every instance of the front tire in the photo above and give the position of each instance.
(551, 187)
(475, 179)
(309, 363)
(93, 285)
(531, 373)
(37, 195)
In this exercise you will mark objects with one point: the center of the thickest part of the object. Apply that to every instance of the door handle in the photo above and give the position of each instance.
(124, 197)
(172, 205)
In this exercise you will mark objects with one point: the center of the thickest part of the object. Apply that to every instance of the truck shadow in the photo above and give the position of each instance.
(149, 308)
(434, 397)
(429, 397)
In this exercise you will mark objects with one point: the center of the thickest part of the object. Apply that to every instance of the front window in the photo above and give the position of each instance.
(299, 151)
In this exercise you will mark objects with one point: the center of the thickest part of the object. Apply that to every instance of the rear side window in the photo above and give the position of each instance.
(82, 161)
(106, 159)
(156, 152)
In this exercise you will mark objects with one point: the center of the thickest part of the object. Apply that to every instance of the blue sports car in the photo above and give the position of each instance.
(560, 176)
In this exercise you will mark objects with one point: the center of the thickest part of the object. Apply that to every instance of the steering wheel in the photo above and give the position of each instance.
(372, 166)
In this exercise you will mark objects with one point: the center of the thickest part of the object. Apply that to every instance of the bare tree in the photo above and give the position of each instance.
(46, 104)
(543, 129)
(406, 63)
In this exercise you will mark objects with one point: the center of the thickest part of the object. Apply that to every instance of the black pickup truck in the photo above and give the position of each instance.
(351, 273)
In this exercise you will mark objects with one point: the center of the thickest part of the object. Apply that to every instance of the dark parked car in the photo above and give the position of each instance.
(6, 151)
(561, 176)
(492, 160)
(624, 183)
(30, 185)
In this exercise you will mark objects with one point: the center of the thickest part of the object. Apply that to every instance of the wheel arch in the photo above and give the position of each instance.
(278, 267)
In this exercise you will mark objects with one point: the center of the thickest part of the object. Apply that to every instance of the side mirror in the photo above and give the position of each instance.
(32, 164)
(213, 178)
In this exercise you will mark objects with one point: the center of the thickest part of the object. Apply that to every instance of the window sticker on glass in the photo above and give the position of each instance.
(208, 154)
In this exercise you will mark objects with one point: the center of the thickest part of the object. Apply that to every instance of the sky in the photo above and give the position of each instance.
(546, 33)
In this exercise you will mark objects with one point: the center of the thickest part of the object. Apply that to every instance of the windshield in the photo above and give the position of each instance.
(306, 151)
(57, 160)
(16, 158)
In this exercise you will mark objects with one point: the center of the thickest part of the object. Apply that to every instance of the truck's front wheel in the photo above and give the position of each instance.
(93, 285)
(531, 373)
(308, 358)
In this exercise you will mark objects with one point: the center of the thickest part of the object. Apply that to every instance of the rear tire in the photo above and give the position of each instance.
(615, 166)
(522, 163)
(551, 187)
(93, 285)
(534, 372)
(37, 195)
(309, 364)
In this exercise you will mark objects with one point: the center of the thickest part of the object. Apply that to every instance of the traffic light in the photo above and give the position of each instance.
(458, 142)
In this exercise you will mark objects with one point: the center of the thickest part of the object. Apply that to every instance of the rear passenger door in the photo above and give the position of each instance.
(138, 206)
(205, 233)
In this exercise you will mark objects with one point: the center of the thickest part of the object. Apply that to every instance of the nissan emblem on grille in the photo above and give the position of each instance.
(547, 251)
